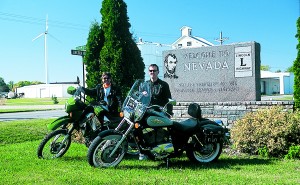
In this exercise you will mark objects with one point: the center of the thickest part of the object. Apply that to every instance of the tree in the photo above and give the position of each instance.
(92, 56)
(10, 85)
(3, 86)
(264, 67)
(290, 69)
(120, 54)
(296, 69)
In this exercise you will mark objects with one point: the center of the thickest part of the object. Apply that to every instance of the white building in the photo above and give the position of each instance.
(276, 83)
(152, 54)
(187, 40)
(45, 90)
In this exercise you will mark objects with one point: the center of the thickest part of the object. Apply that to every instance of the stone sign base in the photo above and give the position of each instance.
(228, 112)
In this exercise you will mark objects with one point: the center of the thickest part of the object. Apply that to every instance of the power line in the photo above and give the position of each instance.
(31, 20)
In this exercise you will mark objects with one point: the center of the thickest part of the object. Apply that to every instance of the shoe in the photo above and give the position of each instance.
(142, 157)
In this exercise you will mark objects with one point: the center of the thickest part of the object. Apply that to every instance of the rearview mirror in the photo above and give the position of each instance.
(78, 81)
(172, 102)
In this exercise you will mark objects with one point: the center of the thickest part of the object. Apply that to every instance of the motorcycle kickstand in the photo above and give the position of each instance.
(167, 162)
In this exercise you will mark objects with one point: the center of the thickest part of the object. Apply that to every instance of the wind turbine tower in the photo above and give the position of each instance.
(45, 49)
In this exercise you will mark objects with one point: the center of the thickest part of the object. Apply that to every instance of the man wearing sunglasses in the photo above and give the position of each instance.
(160, 92)
(160, 89)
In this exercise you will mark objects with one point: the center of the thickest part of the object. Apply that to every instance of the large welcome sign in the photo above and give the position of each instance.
(216, 73)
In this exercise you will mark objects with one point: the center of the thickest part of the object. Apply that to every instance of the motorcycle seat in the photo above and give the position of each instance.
(186, 126)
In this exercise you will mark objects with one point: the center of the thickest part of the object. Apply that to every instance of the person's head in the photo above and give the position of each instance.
(170, 63)
(153, 72)
(106, 77)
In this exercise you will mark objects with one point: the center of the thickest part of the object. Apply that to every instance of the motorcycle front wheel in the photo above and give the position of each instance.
(204, 154)
(100, 150)
(54, 145)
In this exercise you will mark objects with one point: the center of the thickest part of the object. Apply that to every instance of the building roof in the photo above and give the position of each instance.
(186, 34)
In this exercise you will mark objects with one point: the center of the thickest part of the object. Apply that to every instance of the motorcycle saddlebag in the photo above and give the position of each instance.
(213, 133)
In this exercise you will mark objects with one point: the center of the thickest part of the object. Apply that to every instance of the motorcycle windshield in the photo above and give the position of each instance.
(137, 100)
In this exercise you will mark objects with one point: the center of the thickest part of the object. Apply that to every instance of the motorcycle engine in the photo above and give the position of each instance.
(159, 140)
(155, 136)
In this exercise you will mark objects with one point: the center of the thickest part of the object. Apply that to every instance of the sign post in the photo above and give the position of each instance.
(80, 50)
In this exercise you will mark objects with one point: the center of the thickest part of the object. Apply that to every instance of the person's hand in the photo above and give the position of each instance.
(145, 93)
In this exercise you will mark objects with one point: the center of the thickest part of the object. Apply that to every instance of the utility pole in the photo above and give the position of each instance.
(80, 50)
(221, 39)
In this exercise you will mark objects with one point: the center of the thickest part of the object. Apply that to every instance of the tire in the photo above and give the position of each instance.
(209, 152)
(101, 148)
(49, 147)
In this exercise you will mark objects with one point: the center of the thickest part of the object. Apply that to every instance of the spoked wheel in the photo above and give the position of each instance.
(101, 148)
(54, 145)
(206, 153)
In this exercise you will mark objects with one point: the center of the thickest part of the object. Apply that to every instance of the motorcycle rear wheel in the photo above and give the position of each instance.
(101, 148)
(207, 153)
(54, 145)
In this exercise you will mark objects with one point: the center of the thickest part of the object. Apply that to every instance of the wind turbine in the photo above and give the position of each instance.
(45, 47)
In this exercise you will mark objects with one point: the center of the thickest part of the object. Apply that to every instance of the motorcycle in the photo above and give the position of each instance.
(82, 118)
(156, 135)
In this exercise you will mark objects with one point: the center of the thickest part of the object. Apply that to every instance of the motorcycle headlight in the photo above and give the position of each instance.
(127, 114)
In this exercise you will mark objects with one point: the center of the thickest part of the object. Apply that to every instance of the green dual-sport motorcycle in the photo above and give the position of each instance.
(82, 117)
(156, 135)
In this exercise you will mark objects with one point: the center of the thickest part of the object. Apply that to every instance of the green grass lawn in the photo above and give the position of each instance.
(19, 165)
(8, 103)
(32, 101)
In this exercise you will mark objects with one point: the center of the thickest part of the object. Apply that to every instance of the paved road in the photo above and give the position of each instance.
(37, 107)
(57, 111)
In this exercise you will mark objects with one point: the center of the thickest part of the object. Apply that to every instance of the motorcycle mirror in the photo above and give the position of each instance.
(78, 81)
(172, 102)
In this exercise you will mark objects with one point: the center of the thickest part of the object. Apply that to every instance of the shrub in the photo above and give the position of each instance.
(267, 132)
(54, 99)
(294, 152)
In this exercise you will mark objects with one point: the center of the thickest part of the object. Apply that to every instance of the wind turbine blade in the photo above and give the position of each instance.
(54, 37)
(38, 36)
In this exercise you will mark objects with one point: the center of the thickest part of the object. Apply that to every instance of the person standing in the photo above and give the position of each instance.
(160, 93)
(160, 89)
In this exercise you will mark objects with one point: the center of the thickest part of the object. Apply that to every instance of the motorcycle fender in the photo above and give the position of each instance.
(156, 121)
(59, 122)
(109, 132)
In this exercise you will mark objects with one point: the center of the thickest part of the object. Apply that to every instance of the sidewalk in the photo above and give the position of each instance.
(36, 107)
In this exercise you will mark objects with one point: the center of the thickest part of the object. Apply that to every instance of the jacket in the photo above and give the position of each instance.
(114, 99)
(161, 94)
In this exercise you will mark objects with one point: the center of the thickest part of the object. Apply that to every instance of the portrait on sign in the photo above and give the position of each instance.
(170, 64)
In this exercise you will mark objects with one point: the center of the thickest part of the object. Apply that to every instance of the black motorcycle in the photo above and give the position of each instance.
(156, 135)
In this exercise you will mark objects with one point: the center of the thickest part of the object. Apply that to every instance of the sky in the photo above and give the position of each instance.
(271, 23)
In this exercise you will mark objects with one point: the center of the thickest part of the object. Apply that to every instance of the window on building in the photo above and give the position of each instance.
(189, 43)
(179, 45)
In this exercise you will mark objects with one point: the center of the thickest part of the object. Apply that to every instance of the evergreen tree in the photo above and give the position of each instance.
(3, 86)
(296, 69)
(92, 56)
(120, 55)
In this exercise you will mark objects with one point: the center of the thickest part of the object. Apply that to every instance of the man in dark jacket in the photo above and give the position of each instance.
(160, 93)
(160, 89)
